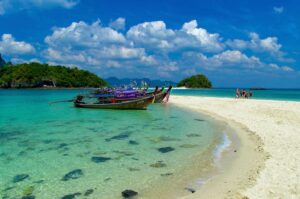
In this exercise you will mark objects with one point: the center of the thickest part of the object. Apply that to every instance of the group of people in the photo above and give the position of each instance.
(243, 93)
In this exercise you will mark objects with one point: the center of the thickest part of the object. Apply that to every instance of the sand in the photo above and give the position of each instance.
(267, 163)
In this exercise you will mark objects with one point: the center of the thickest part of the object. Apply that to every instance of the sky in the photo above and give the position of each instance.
(236, 43)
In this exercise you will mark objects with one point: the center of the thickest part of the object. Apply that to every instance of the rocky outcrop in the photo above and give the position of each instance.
(2, 61)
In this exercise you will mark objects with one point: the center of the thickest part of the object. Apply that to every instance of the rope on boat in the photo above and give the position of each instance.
(50, 103)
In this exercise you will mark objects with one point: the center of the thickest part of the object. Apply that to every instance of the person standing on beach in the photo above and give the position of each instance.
(237, 93)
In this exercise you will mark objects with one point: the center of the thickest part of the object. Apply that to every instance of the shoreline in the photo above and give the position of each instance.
(266, 163)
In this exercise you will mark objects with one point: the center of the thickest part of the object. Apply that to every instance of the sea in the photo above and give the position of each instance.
(57, 151)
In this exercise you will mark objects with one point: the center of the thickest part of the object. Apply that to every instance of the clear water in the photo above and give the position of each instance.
(46, 142)
(271, 94)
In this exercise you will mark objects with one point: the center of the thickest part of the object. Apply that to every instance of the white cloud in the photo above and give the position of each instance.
(268, 45)
(17, 5)
(9, 46)
(148, 48)
(81, 34)
(155, 35)
(118, 24)
(278, 10)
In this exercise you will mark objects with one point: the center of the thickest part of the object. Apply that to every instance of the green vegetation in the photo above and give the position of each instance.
(196, 81)
(38, 75)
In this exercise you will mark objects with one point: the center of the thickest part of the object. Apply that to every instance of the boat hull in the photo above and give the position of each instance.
(137, 104)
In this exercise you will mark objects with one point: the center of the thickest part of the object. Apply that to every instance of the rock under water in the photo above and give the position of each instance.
(99, 159)
(129, 193)
(77, 173)
(165, 149)
(20, 177)
(71, 196)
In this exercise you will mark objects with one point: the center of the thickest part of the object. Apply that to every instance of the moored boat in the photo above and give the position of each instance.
(139, 103)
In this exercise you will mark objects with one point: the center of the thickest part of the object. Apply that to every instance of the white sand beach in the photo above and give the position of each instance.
(276, 173)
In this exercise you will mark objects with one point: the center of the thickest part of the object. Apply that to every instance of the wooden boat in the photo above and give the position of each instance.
(139, 103)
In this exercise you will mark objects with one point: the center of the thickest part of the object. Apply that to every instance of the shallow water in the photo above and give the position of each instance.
(107, 150)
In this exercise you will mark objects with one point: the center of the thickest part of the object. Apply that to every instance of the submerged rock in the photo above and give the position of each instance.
(200, 120)
(88, 192)
(77, 173)
(193, 135)
(165, 149)
(71, 196)
(20, 177)
(188, 145)
(129, 193)
(132, 142)
(133, 169)
(28, 197)
(99, 159)
(121, 136)
(166, 174)
(190, 189)
(158, 164)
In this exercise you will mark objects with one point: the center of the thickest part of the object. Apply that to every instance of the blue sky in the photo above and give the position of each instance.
(235, 43)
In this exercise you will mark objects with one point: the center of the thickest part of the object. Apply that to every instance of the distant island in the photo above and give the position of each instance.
(116, 82)
(195, 81)
(36, 75)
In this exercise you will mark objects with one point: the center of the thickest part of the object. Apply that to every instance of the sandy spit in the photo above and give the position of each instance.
(277, 124)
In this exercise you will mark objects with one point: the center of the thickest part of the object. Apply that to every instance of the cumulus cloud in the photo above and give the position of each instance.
(9, 46)
(148, 48)
(118, 24)
(155, 35)
(84, 35)
(17, 5)
(278, 10)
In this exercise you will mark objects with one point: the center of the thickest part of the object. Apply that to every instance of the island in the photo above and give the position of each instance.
(37, 75)
(195, 81)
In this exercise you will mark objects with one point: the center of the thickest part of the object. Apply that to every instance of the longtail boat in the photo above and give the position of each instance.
(139, 103)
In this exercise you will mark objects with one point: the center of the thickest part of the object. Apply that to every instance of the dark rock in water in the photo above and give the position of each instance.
(193, 135)
(62, 145)
(158, 164)
(200, 120)
(132, 142)
(121, 136)
(71, 196)
(166, 174)
(107, 179)
(39, 181)
(20, 177)
(77, 173)
(129, 193)
(88, 192)
(99, 159)
(165, 149)
(28, 197)
(235, 151)
(190, 189)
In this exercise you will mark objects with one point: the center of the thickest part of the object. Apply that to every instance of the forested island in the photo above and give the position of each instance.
(196, 81)
(35, 75)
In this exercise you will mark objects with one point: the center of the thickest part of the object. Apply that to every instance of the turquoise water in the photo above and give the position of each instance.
(271, 94)
(107, 150)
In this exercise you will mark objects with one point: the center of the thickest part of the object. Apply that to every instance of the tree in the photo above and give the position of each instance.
(196, 81)
(37, 75)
